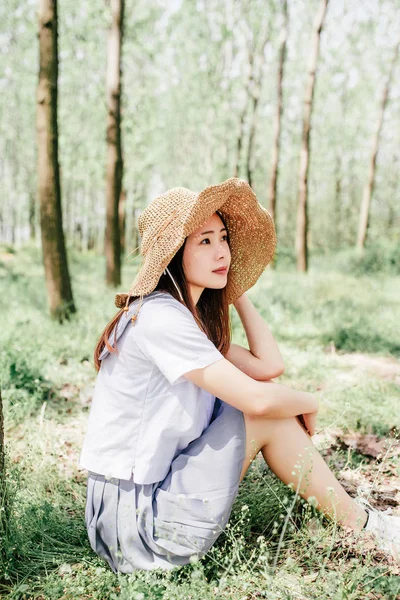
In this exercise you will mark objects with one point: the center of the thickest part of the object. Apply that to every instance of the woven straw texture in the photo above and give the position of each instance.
(171, 217)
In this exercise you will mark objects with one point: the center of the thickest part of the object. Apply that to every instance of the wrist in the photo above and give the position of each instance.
(240, 300)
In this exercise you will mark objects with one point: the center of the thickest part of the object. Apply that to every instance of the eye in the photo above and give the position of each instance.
(208, 239)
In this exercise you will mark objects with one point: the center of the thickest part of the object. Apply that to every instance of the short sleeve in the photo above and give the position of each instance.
(170, 338)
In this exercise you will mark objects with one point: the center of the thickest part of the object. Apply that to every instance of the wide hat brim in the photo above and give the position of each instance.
(170, 218)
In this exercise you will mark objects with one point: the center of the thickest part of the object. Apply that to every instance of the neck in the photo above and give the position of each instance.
(195, 292)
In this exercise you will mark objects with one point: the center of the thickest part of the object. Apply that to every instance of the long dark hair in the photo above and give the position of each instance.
(211, 312)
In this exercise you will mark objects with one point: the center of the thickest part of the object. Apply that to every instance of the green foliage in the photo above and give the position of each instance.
(378, 258)
(381, 583)
(352, 329)
(7, 248)
(25, 376)
(25, 387)
(359, 336)
(182, 102)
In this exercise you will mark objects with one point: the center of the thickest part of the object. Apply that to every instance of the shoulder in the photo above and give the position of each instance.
(162, 300)
(162, 308)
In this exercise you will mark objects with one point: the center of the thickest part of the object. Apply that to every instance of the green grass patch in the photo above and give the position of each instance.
(268, 550)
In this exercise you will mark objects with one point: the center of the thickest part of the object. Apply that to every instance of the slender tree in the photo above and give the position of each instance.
(255, 92)
(394, 186)
(256, 58)
(122, 219)
(114, 146)
(340, 168)
(32, 216)
(49, 189)
(273, 184)
(302, 208)
(242, 117)
(369, 186)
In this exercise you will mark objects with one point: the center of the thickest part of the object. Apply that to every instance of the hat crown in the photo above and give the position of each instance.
(167, 210)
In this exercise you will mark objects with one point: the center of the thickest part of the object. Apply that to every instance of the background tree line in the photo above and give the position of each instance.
(300, 98)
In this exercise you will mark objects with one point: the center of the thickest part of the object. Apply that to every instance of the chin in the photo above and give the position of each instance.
(217, 287)
(212, 285)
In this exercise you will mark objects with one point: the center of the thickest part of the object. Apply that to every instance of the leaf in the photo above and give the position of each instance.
(368, 444)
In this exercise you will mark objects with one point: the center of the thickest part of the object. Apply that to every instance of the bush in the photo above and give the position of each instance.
(377, 258)
(25, 388)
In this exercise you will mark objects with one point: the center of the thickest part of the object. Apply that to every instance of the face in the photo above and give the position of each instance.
(206, 249)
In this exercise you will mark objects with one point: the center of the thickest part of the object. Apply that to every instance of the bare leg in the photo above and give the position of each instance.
(292, 456)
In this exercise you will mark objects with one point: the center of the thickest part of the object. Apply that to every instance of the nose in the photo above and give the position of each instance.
(221, 251)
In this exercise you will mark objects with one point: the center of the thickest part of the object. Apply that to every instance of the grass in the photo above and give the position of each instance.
(47, 375)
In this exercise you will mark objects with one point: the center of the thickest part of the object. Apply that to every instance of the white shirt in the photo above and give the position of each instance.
(144, 412)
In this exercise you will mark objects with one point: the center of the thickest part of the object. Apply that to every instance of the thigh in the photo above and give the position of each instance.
(256, 436)
(213, 461)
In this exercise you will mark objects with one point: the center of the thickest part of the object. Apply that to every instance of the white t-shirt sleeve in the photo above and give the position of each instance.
(170, 338)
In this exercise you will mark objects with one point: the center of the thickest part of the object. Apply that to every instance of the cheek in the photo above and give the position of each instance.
(192, 258)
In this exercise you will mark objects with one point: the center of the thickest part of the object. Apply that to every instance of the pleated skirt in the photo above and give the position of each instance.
(176, 521)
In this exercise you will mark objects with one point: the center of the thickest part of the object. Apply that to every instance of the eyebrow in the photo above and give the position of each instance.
(211, 231)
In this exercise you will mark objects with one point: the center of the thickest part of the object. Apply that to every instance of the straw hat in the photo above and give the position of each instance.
(171, 217)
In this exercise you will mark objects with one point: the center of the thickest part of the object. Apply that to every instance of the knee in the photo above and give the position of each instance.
(264, 429)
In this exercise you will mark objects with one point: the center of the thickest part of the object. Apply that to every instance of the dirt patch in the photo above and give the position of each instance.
(381, 366)
(377, 477)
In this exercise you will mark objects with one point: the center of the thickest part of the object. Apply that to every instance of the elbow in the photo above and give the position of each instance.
(274, 371)
(280, 369)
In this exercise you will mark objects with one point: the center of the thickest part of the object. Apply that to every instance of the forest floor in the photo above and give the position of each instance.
(48, 378)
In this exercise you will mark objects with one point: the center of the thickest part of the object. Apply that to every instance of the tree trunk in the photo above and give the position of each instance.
(91, 245)
(32, 216)
(255, 93)
(54, 253)
(302, 208)
(278, 116)
(239, 141)
(394, 189)
(122, 219)
(336, 234)
(114, 149)
(369, 186)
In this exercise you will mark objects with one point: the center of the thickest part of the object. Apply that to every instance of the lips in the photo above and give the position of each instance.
(222, 270)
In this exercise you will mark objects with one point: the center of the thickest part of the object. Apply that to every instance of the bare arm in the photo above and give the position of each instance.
(255, 398)
(263, 360)
(244, 360)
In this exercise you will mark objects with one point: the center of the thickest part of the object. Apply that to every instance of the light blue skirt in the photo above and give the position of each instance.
(175, 521)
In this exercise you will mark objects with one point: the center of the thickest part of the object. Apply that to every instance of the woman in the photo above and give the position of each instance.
(179, 412)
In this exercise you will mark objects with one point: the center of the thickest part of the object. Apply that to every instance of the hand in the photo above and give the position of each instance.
(308, 421)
